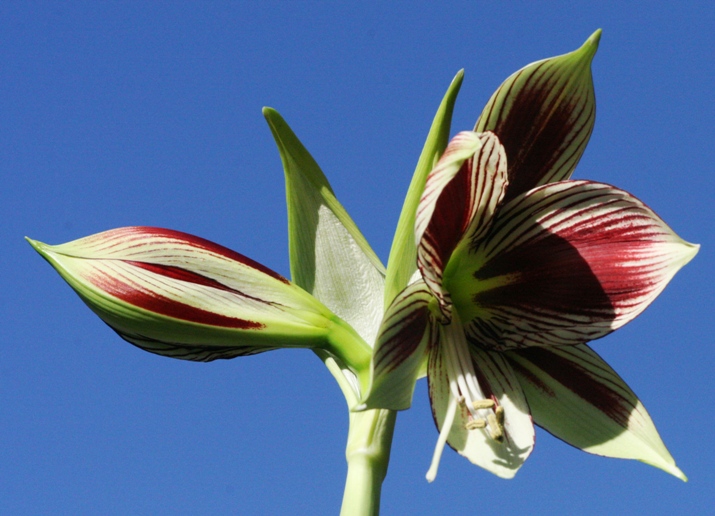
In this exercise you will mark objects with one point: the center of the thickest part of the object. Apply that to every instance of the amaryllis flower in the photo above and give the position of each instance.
(519, 267)
(501, 270)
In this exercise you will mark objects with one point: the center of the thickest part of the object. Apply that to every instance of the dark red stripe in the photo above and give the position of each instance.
(406, 340)
(549, 275)
(534, 130)
(180, 274)
(580, 381)
(164, 306)
(193, 352)
(201, 243)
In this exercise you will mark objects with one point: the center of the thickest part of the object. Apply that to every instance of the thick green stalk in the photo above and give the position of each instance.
(368, 448)
(367, 454)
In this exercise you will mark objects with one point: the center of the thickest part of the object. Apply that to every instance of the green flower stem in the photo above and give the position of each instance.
(368, 448)
(368, 454)
(352, 351)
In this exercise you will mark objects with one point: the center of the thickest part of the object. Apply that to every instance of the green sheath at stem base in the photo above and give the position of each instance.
(368, 454)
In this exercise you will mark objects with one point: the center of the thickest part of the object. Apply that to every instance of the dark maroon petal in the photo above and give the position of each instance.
(123, 243)
(543, 115)
(563, 264)
(193, 352)
(459, 199)
(582, 373)
(402, 340)
(579, 398)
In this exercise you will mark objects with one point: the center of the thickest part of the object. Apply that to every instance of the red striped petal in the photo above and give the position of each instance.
(564, 264)
(459, 199)
(193, 352)
(577, 397)
(141, 294)
(149, 245)
(400, 349)
(543, 115)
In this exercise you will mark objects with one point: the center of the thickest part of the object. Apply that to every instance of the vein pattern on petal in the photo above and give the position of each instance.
(459, 199)
(404, 336)
(564, 264)
(179, 295)
(544, 115)
(495, 381)
(575, 395)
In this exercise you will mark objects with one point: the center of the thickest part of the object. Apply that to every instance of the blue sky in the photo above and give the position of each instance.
(126, 113)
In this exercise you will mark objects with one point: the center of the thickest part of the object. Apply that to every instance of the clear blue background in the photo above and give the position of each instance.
(123, 113)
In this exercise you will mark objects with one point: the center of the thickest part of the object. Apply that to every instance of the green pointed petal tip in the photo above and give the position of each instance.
(41, 248)
(587, 51)
(544, 114)
(291, 149)
(37, 246)
(298, 161)
(591, 44)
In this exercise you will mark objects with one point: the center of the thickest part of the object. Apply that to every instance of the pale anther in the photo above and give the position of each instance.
(495, 429)
(482, 404)
(499, 412)
(474, 424)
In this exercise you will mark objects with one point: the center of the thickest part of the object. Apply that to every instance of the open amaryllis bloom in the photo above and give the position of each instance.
(519, 268)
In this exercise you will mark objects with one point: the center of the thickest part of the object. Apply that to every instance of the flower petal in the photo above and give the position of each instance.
(403, 254)
(400, 349)
(498, 382)
(458, 202)
(563, 264)
(577, 397)
(329, 256)
(182, 296)
(543, 115)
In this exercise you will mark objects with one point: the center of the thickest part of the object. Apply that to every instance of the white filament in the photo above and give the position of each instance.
(439, 448)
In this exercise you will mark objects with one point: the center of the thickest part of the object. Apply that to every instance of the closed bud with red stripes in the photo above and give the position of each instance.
(185, 297)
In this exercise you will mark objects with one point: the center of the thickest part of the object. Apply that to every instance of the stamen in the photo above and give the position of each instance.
(495, 420)
(439, 448)
(458, 361)
(499, 412)
(483, 404)
(495, 429)
(482, 412)
(474, 424)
